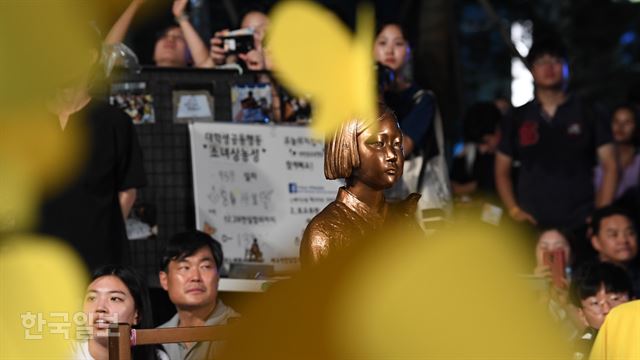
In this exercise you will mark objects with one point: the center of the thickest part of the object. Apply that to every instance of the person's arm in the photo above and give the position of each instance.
(127, 198)
(119, 29)
(607, 190)
(505, 189)
(198, 49)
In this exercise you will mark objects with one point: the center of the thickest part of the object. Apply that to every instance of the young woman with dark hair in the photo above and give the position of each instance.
(425, 170)
(116, 293)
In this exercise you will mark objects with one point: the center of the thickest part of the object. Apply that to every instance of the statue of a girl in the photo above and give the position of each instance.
(370, 162)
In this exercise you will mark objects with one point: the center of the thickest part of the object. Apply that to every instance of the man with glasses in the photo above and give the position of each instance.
(557, 138)
(595, 290)
(618, 336)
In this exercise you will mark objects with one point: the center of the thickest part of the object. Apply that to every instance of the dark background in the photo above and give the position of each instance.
(459, 52)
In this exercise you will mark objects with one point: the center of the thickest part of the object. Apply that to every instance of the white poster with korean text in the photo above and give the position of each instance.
(256, 187)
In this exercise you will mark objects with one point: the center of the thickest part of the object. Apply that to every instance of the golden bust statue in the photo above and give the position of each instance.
(370, 161)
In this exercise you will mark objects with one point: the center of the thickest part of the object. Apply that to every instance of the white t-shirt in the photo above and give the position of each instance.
(81, 351)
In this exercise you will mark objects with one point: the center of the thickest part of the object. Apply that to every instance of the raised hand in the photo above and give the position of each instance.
(217, 52)
(178, 7)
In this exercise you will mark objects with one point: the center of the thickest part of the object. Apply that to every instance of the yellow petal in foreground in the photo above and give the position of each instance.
(452, 296)
(315, 54)
(40, 278)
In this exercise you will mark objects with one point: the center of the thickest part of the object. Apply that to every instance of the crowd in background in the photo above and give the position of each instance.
(561, 166)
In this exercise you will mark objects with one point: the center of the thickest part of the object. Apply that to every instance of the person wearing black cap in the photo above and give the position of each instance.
(558, 138)
(190, 271)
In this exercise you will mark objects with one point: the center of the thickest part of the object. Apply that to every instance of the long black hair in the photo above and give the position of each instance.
(138, 289)
(403, 30)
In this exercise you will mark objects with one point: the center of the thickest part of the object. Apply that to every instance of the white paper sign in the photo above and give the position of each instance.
(193, 106)
(262, 182)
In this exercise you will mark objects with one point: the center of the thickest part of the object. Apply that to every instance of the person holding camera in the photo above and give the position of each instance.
(252, 54)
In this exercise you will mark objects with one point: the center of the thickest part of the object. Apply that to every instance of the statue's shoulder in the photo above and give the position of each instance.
(322, 232)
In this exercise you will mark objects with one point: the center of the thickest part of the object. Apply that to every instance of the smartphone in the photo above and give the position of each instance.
(238, 41)
(556, 261)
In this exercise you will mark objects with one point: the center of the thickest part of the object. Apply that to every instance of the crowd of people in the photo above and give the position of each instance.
(179, 44)
(558, 164)
(562, 166)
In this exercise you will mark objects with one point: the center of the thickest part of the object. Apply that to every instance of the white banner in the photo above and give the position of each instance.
(258, 183)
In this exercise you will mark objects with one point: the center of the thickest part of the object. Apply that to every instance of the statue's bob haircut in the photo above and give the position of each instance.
(341, 147)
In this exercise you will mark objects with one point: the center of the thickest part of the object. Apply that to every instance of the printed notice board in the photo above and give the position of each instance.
(258, 185)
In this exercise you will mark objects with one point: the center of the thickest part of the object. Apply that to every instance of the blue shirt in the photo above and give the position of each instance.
(415, 110)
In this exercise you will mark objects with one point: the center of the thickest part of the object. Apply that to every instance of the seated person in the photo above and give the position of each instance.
(116, 294)
(190, 273)
(549, 241)
(596, 289)
(177, 44)
(555, 296)
(370, 162)
(618, 336)
(614, 238)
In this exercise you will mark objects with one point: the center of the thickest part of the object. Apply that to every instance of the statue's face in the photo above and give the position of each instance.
(381, 155)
